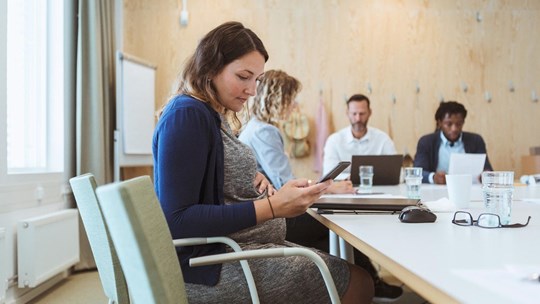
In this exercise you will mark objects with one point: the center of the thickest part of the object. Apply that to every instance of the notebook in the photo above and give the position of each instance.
(386, 168)
(364, 203)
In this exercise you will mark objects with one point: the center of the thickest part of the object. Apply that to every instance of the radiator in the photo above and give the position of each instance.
(3, 265)
(46, 246)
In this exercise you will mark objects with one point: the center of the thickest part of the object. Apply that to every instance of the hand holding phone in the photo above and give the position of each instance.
(336, 171)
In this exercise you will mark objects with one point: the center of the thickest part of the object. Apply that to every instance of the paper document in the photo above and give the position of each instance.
(467, 163)
(441, 205)
(512, 283)
(531, 200)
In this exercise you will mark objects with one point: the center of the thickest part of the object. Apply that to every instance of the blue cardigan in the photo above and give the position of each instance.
(427, 151)
(188, 178)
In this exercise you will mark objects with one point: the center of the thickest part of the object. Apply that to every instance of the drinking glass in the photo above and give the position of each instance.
(497, 190)
(366, 179)
(413, 180)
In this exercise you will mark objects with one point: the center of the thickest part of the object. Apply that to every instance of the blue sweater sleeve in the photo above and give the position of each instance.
(187, 165)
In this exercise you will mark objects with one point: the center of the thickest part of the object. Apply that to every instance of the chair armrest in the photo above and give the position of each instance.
(210, 240)
(273, 253)
(234, 245)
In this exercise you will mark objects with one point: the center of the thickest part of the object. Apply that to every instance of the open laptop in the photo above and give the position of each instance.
(386, 168)
(364, 203)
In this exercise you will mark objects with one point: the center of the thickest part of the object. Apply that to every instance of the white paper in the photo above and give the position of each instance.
(512, 283)
(467, 163)
(441, 205)
(531, 200)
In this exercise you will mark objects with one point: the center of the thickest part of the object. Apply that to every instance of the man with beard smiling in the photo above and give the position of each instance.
(433, 150)
(357, 139)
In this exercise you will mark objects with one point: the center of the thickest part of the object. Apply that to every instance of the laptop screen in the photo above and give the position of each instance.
(386, 168)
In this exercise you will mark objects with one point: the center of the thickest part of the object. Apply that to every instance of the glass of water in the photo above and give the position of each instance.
(366, 179)
(497, 190)
(413, 180)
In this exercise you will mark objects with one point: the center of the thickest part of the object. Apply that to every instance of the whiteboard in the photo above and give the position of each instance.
(135, 107)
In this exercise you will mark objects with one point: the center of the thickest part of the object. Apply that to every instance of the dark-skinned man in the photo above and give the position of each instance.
(433, 150)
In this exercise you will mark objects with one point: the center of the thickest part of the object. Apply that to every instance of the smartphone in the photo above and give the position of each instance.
(336, 171)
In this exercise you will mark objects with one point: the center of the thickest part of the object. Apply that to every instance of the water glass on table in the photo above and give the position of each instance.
(498, 190)
(366, 179)
(413, 180)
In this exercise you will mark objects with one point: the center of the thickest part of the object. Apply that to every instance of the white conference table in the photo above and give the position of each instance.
(446, 263)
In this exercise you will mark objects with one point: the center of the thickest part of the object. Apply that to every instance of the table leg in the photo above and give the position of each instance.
(346, 251)
(334, 243)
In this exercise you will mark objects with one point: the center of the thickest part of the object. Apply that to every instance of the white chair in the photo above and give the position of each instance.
(109, 269)
(110, 272)
(143, 242)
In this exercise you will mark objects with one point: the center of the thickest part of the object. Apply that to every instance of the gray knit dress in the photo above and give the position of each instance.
(278, 280)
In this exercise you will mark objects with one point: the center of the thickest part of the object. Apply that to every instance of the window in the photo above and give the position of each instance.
(32, 107)
(34, 86)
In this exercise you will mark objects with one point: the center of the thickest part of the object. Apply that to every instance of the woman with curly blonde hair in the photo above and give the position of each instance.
(272, 103)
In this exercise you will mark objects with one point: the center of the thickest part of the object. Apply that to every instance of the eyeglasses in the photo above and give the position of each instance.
(485, 220)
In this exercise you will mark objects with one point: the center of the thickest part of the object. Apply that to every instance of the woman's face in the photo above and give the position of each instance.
(238, 80)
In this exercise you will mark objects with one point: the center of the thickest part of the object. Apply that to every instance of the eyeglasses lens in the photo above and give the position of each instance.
(488, 221)
(463, 219)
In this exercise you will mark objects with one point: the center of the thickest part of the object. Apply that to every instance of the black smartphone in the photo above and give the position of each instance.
(336, 171)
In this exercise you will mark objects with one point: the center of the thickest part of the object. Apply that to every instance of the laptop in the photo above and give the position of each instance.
(364, 203)
(386, 168)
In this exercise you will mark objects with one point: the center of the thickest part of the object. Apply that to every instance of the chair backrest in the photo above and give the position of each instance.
(143, 241)
(110, 271)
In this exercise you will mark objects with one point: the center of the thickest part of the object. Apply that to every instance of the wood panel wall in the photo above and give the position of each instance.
(411, 53)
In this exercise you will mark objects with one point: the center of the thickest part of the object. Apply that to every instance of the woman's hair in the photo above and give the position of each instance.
(275, 94)
(218, 48)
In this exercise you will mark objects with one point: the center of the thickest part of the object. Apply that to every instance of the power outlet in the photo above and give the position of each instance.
(39, 193)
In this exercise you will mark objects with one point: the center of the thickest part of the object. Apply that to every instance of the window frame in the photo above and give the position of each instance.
(26, 190)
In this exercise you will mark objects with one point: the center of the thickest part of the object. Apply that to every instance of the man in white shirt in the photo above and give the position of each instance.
(358, 138)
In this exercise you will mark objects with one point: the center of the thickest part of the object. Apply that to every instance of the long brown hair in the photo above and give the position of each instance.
(218, 48)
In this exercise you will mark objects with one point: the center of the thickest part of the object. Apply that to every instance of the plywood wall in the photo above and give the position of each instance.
(411, 53)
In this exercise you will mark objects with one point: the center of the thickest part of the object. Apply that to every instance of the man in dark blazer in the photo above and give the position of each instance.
(433, 150)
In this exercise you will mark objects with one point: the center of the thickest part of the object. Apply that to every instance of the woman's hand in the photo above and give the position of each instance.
(341, 187)
(262, 183)
(295, 197)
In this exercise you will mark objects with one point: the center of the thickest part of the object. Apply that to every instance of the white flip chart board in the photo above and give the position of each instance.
(135, 108)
